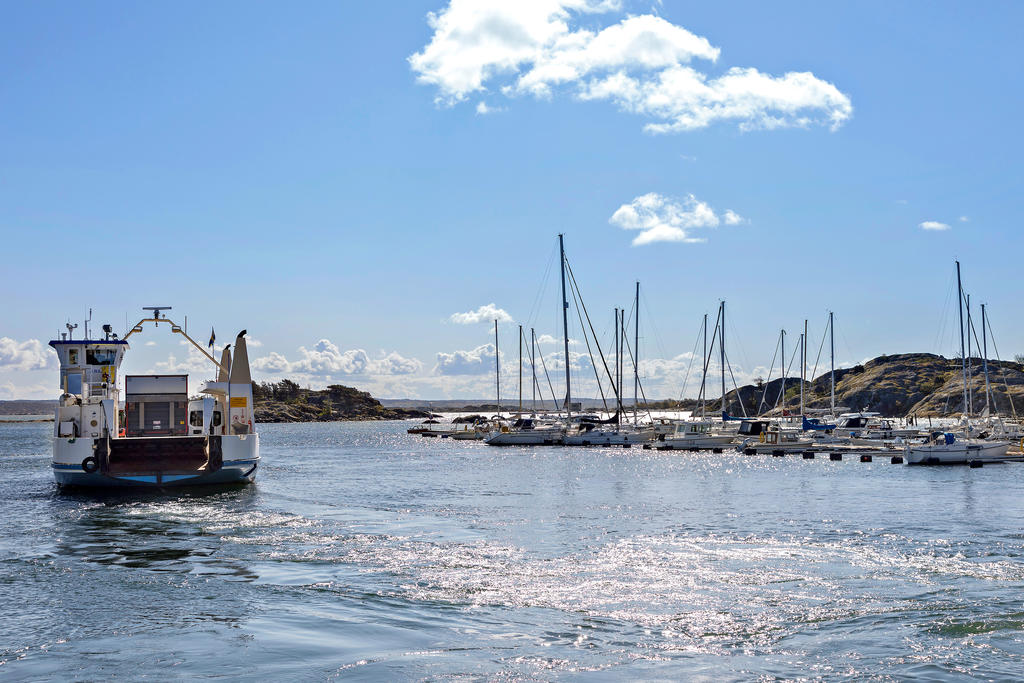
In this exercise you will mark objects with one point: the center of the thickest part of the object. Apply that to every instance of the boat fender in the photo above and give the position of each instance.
(761, 437)
(90, 464)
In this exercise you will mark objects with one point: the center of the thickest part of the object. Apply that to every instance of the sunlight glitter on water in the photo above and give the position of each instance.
(371, 553)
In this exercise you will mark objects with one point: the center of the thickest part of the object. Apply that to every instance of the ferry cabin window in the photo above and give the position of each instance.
(72, 356)
(100, 357)
(195, 418)
(216, 419)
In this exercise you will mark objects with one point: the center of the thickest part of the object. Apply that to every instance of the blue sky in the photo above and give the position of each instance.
(304, 175)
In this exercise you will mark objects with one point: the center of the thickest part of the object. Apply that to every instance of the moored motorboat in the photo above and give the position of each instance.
(698, 434)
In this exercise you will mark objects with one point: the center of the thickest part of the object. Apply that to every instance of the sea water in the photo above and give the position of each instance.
(364, 552)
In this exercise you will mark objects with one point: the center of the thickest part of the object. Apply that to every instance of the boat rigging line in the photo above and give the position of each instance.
(586, 339)
(1002, 370)
(693, 357)
(771, 368)
(543, 365)
(590, 324)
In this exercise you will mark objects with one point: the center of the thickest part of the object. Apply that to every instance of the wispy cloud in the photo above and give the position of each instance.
(641, 63)
(483, 109)
(486, 313)
(964, 219)
(550, 339)
(663, 219)
(730, 217)
(10, 390)
(933, 225)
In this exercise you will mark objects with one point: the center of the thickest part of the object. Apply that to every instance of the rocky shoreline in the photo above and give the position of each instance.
(286, 401)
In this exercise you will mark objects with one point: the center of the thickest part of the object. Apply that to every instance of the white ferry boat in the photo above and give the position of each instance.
(161, 437)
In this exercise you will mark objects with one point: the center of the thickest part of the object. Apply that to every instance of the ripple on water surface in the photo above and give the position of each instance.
(364, 551)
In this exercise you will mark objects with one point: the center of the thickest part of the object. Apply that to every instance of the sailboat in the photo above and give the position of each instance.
(945, 448)
(529, 431)
(613, 432)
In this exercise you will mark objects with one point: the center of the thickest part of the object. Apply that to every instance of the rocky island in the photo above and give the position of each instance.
(286, 401)
(908, 384)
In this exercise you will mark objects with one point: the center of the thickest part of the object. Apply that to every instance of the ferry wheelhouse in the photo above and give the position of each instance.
(161, 437)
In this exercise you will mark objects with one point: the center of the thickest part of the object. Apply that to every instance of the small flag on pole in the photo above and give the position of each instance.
(213, 337)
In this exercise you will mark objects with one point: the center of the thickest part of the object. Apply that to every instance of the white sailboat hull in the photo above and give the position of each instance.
(529, 437)
(959, 453)
(705, 441)
(616, 438)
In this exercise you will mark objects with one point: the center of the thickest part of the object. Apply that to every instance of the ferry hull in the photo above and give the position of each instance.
(158, 463)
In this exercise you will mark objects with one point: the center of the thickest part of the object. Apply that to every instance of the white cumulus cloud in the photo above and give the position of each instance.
(641, 63)
(195, 364)
(473, 362)
(663, 219)
(31, 354)
(326, 359)
(933, 225)
(486, 313)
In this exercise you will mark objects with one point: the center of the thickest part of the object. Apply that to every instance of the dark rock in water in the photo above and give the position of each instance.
(285, 401)
(469, 419)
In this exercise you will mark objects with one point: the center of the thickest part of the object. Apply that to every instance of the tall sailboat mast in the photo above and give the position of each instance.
(622, 351)
(782, 390)
(832, 343)
(636, 353)
(520, 370)
(984, 360)
(960, 310)
(533, 369)
(704, 379)
(497, 368)
(618, 378)
(970, 369)
(565, 325)
(722, 348)
(803, 365)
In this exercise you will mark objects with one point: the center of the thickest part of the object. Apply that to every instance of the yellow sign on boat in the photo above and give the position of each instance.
(239, 402)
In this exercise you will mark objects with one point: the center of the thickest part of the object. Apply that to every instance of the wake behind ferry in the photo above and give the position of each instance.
(162, 437)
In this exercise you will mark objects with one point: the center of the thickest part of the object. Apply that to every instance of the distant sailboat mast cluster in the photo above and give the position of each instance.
(773, 428)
